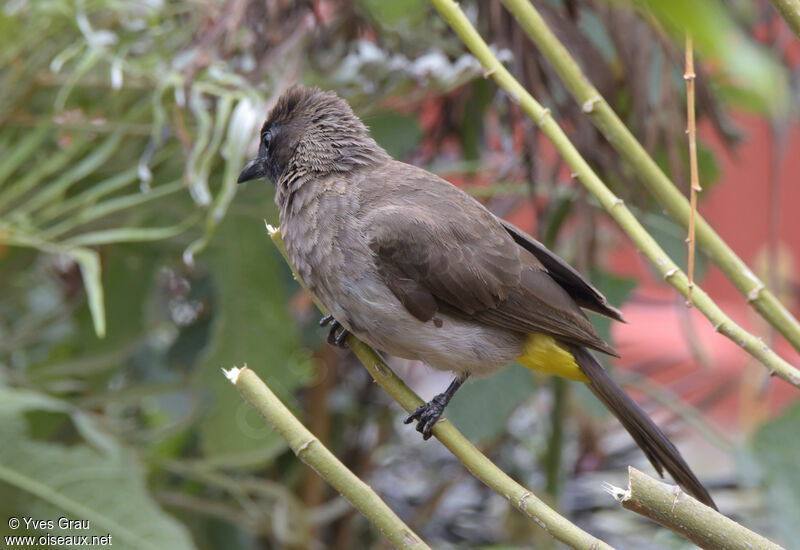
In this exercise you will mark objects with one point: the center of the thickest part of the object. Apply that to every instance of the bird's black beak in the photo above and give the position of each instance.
(253, 170)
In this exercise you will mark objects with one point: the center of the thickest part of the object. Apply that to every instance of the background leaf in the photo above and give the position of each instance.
(252, 326)
(775, 448)
(482, 406)
(106, 486)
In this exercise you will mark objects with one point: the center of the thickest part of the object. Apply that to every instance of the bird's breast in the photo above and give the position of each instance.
(324, 243)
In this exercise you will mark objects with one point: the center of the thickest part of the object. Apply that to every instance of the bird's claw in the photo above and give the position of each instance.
(338, 334)
(427, 415)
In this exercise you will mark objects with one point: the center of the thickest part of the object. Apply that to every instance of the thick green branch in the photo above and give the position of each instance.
(626, 144)
(477, 463)
(610, 202)
(790, 11)
(310, 450)
(679, 512)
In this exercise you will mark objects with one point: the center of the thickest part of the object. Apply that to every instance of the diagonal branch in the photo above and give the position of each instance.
(610, 202)
(790, 11)
(659, 185)
(679, 512)
(310, 450)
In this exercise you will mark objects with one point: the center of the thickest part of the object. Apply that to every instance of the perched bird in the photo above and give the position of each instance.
(415, 267)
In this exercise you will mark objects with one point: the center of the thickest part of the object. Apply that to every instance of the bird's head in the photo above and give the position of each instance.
(310, 132)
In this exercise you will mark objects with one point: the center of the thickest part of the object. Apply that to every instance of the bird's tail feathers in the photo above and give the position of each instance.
(663, 455)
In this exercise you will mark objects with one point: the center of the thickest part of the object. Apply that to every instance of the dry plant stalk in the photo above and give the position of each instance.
(691, 130)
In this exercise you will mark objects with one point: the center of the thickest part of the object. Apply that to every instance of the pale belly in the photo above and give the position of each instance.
(377, 317)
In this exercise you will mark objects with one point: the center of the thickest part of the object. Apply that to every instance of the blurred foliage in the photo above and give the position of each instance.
(751, 75)
(122, 128)
(45, 478)
(775, 448)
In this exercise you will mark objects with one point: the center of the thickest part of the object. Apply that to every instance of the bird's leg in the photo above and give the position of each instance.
(334, 338)
(428, 414)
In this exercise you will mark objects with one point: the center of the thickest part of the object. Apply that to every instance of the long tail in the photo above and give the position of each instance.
(663, 455)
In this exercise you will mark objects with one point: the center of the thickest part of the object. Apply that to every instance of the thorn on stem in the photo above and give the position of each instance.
(588, 105)
(677, 494)
(543, 117)
(754, 293)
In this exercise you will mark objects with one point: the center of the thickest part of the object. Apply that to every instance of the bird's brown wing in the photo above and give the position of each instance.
(449, 252)
(581, 290)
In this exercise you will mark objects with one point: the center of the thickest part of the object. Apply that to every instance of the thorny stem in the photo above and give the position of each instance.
(691, 130)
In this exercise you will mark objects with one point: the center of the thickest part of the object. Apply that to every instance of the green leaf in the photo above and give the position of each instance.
(23, 150)
(617, 290)
(89, 262)
(482, 406)
(88, 197)
(759, 78)
(594, 29)
(390, 14)
(95, 480)
(48, 167)
(775, 449)
(251, 325)
(472, 119)
(399, 134)
(114, 205)
(128, 276)
(130, 234)
(241, 126)
(87, 165)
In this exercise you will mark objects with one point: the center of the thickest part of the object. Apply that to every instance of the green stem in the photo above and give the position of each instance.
(555, 442)
(610, 202)
(310, 450)
(790, 11)
(659, 185)
(477, 463)
(679, 512)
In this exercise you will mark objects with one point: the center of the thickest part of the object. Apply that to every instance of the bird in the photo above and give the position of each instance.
(416, 268)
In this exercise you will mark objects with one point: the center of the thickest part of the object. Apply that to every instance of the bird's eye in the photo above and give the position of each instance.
(266, 137)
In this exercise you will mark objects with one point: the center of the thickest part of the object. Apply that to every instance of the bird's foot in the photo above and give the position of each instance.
(428, 415)
(338, 334)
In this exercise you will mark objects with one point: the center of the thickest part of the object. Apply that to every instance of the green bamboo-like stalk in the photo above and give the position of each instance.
(691, 519)
(790, 11)
(311, 450)
(610, 202)
(477, 463)
(656, 181)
